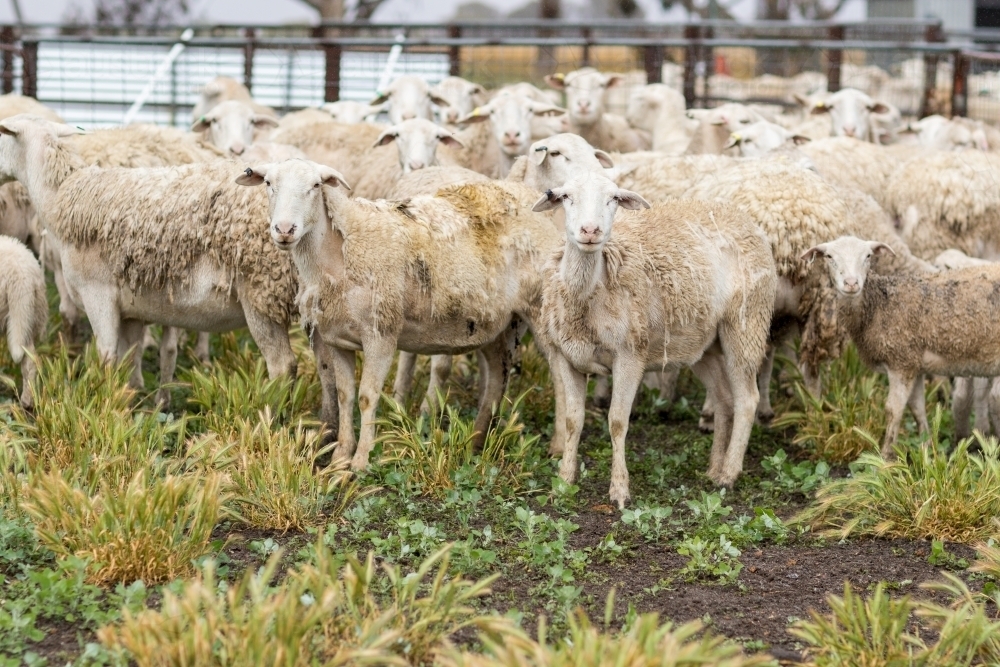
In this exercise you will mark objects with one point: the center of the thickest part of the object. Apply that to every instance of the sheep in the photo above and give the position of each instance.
(948, 199)
(980, 392)
(762, 137)
(457, 97)
(541, 126)
(685, 284)
(219, 90)
(428, 181)
(850, 163)
(715, 126)
(350, 113)
(441, 274)
(408, 97)
(16, 215)
(13, 104)
(851, 113)
(510, 117)
(944, 134)
(230, 126)
(585, 92)
(177, 246)
(911, 325)
(24, 310)
(658, 177)
(658, 110)
(310, 116)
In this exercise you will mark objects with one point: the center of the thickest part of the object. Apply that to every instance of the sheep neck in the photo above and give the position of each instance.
(320, 253)
(45, 173)
(581, 271)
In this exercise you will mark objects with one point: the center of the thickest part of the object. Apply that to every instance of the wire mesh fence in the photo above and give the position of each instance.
(91, 79)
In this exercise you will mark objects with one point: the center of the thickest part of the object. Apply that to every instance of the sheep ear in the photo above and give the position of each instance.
(879, 248)
(814, 252)
(69, 131)
(735, 139)
(541, 153)
(878, 107)
(386, 137)
(557, 81)
(818, 108)
(549, 201)
(200, 125)
(333, 178)
(604, 159)
(631, 200)
(798, 139)
(261, 120)
(801, 100)
(450, 140)
(613, 80)
(8, 130)
(546, 110)
(253, 175)
(477, 89)
(381, 98)
(478, 115)
(438, 100)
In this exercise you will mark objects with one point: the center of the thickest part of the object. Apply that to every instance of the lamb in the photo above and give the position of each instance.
(585, 92)
(219, 90)
(24, 310)
(658, 110)
(982, 393)
(433, 275)
(510, 116)
(699, 295)
(957, 312)
(177, 246)
(851, 113)
(457, 98)
(408, 97)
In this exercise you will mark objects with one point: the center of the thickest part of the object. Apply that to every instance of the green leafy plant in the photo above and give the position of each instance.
(718, 561)
(650, 522)
(804, 477)
(941, 557)
(925, 494)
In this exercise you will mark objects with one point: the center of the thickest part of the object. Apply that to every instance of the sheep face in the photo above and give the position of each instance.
(230, 126)
(850, 113)
(351, 113)
(23, 141)
(408, 97)
(762, 137)
(590, 201)
(733, 116)
(295, 196)
(417, 141)
(847, 261)
(560, 157)
(511, 117)
(584, 90)
(459, 96)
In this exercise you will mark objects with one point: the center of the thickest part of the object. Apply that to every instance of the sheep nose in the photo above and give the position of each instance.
(849, 130)
(451, 116)
(851, 284)
(237, 149)
(284, 229)
(512, 137)
(409, 115)
(590, 232)
(416, 164)
(584, 105)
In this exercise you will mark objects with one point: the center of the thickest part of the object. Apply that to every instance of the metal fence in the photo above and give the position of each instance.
(91, 78)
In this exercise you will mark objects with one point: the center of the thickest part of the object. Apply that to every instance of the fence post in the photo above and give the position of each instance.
(29, 65)
(7, 39)
(587, 33)
(928, 103)
(960, 86)
(454, 52)
(691, 33)
(653, 60)
(331, 54)
(248, 50)
(834, 59)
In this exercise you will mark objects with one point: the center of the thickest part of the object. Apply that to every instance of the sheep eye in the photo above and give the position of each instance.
(267, 183)
(554, 153)
(745, 121)
(315, 185)
(748, 141)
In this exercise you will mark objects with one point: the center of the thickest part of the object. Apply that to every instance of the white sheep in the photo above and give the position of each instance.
(957, 312)
(716, 125)
(762, 137)
(231, 126)
(408, 96)
(851, 113)
(585, 101)
(219, 90)
(350, 112)
(179, 246)
(945, 134)
(658, 110)
(684, 284)
(457, 97)
(434, 275)
(24, 310)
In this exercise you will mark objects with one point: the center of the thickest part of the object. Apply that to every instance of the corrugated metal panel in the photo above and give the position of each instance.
(92, 85)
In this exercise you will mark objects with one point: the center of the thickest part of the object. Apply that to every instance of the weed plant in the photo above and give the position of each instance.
(925, 494)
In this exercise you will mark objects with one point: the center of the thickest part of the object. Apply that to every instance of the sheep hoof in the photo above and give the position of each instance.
(162, 399)
(555, 450)
(723, 479)
(765, 416)
(619, 498)
(706, 424)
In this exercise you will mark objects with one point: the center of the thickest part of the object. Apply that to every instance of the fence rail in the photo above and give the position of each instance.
(91, 77)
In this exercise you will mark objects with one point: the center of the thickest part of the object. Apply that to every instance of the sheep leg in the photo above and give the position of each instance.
(765, 413)
(710, 371)
(203, 347)
(272, 339)
(130, 344)
(344, 364)
(327, 382)
(981, 398)
(575, 396)
(811, 379)
(379, 352)
(100, 302)
(440, 371)
(706, 419)
(168, 363)
(961, 406)
(900, 387)
(917, 402)
(602, 391)
(558, 444)
(627, 373)
(68, 311)
(147, 338)
(29, 371)
(994, 404)
(494, 371)
(404, 376)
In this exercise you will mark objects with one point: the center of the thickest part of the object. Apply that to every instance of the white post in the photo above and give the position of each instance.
(161, 71)
(390, 63)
